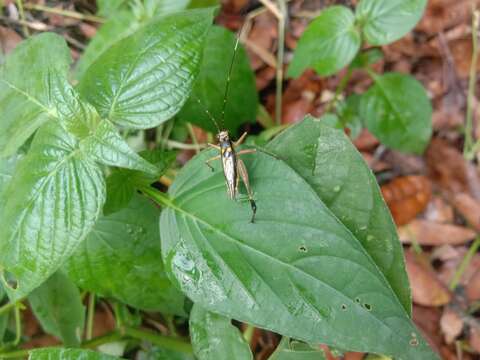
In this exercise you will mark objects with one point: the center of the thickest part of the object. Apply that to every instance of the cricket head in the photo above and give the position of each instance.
(223, 136)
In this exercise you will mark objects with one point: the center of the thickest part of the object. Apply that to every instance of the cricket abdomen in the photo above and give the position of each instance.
(229, 163)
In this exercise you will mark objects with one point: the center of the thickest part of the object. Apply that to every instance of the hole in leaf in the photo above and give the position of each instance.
(357, 300)
(368, 307)
(414, 342)
(303, 248)
(9, 280)
(344, 307)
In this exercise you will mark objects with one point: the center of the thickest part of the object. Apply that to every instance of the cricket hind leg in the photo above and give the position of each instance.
(242, 170)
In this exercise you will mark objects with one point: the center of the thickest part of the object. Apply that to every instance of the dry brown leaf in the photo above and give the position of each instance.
(407, 196)
(451, 324)
(469, 208)
(365, 141)
(427, 289)
(430, 233)
(8, 40)
(439, 210)
(473, 287)
(428, 321)
(474, 338)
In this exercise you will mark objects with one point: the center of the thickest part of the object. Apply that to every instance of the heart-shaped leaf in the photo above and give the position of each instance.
(26, 92)
(49, 206)
(68, 354)
(329, 43)
(297, 270)
(120, 259)
(242, 99)
(384, 21)
(397, 110)
(58, 306)
(213, 337)
(144, 79)
(332, 166)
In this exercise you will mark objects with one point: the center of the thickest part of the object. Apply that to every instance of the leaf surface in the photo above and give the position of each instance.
(294, 350)
(58, 306)
(121, 259)
(297, 270)
(397, 110)
(68, 354)
(26, 92)
(144, 79)
(214, 337)
(51, 204)
(329, 43)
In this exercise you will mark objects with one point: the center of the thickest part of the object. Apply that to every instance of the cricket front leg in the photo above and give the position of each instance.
(207, 162)
(242, 170)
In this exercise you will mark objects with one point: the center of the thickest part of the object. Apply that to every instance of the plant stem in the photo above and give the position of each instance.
(248, 333)
(468, 152)
(67, 13)
(160, 340)
(280, 59)
(156, 195)
(6, 308)
(465, 262)
(26, 32)
(104, 339)
(90, 316)
(18, 325)
(341, 87)
(194, 137)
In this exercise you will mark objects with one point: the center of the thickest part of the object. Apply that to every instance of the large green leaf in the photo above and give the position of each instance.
(215, 338)
(242, 100)
(397, 110)
(297, 270)
(157, 353)
(384, 21)
(7, 168)
(124, 18)
(294, 350)
(50, 205)
(145, 79)
(332, 166)
(329, 43)
(26, 91)
(121, 258)
(58, 306)
(67, 354)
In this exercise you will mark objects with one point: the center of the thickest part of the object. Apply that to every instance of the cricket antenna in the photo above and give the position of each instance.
(225, 96)
(209, 114)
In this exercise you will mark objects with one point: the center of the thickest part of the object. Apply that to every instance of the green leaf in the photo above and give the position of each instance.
(120, 259)
(122, 183)
(335, 170)
(297, 270)
(157, 353)
(384, 21)
(145, 79)
(294, 350)
(26, 92)
(366, 58)
(58, 306)
(51, 204)
(7, 169)
(124, 18)
(349, 113)
(397, 110)
(242, 100)
(106, 146)
(329, 43)
(68, 354)
(203, 3)
(214, 337)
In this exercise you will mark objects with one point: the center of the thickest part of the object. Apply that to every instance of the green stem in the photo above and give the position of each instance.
(156, 195)
(6, 308)
(248, 333)
(160, 340)
(90, 316)
(280, 59)
(67, 13)
(26, 32)
(468, 150)
(341, 87)
(100, 340)
(18, 325)
(194, 138)
(464, 264)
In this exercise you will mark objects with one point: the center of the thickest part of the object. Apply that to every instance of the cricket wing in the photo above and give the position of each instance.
(230, 172)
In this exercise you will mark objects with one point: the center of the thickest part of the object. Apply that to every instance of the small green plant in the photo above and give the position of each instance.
(322, 263)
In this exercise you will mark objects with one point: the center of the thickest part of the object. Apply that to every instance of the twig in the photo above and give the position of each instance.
(66, 13)
(193, 137)
(34, 25)
(26, 32)
(172, 144)
(282, 17)
(465, 262)
(468, 152)
(272, 7)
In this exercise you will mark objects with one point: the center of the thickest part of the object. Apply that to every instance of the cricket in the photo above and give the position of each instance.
(233, 167)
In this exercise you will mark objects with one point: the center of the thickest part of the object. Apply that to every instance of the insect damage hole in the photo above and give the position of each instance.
(368, 307)
(9, 280)
(303, 248)
(344, 307)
